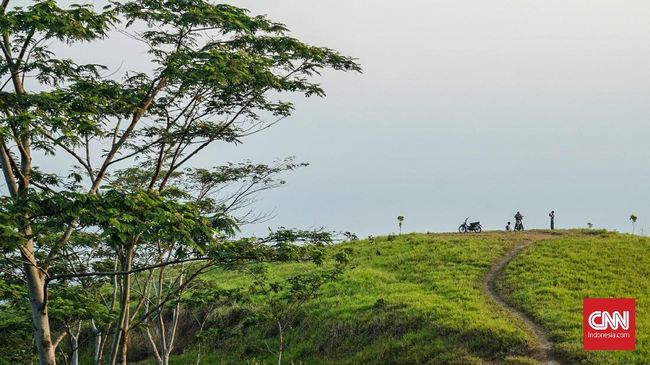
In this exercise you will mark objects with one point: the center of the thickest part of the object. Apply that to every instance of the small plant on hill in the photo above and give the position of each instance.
(349, 236)
(633, 218)
(202, 302)
(371, 240)
(590, 225)
(285, 299)
(400, 220)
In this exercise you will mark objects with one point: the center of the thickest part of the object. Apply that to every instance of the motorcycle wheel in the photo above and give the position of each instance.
(478, 229)
(462, 229)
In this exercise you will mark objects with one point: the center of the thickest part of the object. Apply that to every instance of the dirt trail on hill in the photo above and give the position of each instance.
(544, 354)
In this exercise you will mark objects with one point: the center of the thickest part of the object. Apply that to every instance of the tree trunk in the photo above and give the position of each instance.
(175, 317)
(166, 353)
(120, 343)
(167, 334)
(99, 340)
(201, 325)
(34, 277)
(37, 299)
(281, 347)
(103, 339)
(116, 342)
(105, 333)
(126, 302)
(74, 343)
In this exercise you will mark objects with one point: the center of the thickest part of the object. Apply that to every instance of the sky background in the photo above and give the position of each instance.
(464, 109)
(467, 108)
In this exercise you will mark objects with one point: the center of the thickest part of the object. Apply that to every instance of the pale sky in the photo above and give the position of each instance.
(465, 108)
(468, 108)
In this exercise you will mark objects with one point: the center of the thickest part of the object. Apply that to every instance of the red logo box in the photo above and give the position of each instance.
(608, 324)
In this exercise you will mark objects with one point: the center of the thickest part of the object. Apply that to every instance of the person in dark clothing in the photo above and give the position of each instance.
(552, 215)
(519, 222)
(508, 227)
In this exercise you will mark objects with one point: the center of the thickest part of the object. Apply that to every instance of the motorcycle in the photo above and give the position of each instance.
(519, 226)
(471, 227)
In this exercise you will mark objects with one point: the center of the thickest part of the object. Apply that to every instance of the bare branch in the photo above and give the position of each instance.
(123, 272)
(137, 115)
(71, 152)
(58, 340)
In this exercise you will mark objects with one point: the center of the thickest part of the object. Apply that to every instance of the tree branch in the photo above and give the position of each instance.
(71, 152)
(137, 115)
(58, 340)
(7, 168)
(124, 272)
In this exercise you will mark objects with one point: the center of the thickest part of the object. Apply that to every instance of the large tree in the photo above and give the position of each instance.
(217, 74)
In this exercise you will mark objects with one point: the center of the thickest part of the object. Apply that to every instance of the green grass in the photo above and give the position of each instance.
(417, 299)
(549, 280)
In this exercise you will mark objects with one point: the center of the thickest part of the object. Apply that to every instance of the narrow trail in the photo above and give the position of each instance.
(544, 354)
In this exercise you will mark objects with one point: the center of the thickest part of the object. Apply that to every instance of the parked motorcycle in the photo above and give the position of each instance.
(519, 226)
(471, 227)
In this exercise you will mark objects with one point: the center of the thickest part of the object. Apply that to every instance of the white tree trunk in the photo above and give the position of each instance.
(98, 342)
(281, 347)
(74, 343)
(37, 299)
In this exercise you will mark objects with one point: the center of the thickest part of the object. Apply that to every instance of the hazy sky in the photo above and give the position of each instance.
(465, 108)
(468, 108)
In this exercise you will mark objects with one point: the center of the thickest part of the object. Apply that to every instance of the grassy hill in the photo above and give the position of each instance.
(420, 299)
(550, 279)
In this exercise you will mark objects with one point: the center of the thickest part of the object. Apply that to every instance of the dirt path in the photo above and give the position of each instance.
(544, 353)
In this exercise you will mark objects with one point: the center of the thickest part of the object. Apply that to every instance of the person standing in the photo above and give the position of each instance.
(552, 215)
(519, 222)
(508, 227)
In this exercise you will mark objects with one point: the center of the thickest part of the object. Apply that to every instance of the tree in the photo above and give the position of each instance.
(202, 301)
(633, 218)
(590, 225)
(216, 74)
(16, 332)
(400, 220)
(285, 299)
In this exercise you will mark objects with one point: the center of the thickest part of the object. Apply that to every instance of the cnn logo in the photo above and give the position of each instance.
(603, 320)
(608, 323)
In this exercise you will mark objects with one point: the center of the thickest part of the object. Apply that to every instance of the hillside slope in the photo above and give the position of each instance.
(421, 299)
(549, 280)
